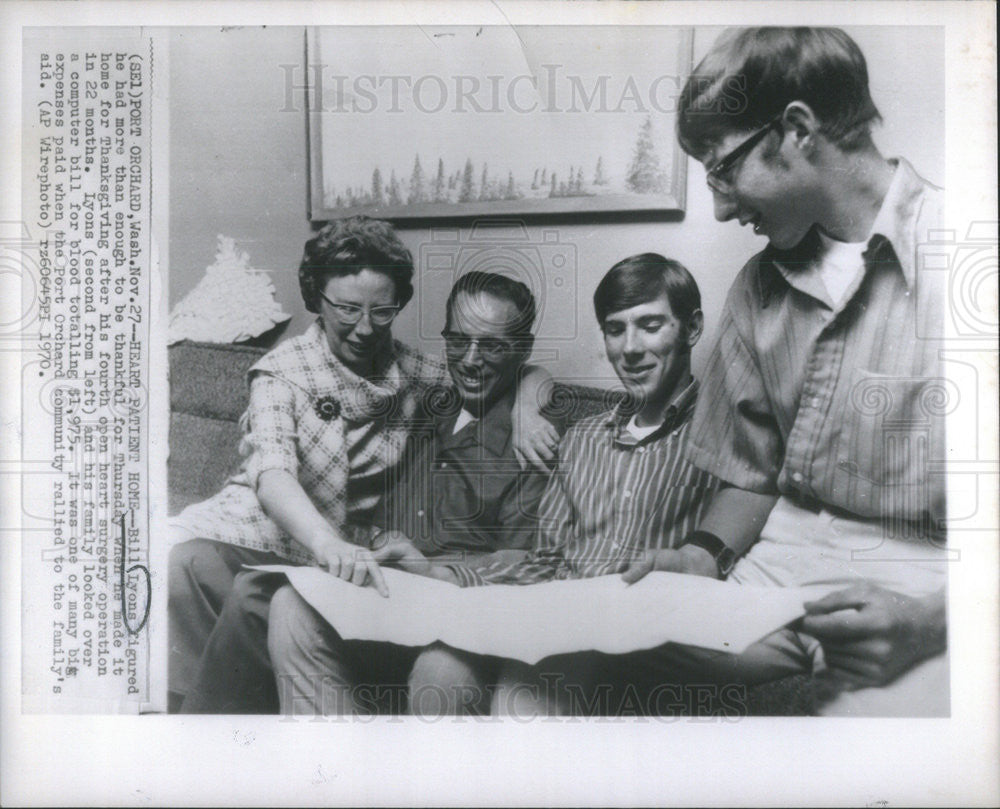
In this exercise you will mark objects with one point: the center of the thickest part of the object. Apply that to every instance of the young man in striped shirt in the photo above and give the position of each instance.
(823, 401)
(623, 488)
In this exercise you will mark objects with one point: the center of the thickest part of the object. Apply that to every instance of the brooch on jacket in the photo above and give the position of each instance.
(327, 408)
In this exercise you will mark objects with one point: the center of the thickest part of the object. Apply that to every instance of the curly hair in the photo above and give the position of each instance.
(348, 246)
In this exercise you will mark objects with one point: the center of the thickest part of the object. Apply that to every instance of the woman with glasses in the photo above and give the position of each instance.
(329, 416)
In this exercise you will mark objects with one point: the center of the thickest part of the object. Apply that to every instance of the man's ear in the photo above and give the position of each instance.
(801, 126)
(695, 326)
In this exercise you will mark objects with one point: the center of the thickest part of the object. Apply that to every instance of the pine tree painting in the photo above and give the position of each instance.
(417, 192)
(395, 198)
(645, 175)
(439, 192)
(467, 192)
(483, 185)
(377, 197)
(599, 178)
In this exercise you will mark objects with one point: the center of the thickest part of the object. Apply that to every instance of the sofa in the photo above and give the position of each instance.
(208, 394)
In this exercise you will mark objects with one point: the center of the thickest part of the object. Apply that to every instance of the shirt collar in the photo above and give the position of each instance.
(679, 411)
(492, 430)
(896, 222)
(894, 227)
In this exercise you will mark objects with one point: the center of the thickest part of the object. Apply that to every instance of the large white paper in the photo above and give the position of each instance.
(535, 621)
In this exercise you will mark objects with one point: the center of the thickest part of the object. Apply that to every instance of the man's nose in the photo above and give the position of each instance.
(472, 355)
(632, 344)
(725, 206)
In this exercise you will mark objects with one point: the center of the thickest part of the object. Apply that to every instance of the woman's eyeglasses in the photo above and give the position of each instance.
(349, 314)
(719, 177)
(491, 349)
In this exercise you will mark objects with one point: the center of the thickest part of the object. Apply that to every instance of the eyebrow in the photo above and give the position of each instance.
(611, 320)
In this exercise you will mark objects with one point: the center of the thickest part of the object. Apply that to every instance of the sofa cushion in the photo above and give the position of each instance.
(203, 454)
(207, 379)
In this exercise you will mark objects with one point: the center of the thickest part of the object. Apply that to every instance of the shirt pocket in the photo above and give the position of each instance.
(891, 434)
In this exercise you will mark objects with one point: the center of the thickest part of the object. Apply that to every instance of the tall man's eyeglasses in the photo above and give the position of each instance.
(349, 314)
(719, 177)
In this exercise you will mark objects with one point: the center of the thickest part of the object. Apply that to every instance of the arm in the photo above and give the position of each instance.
(735, 516)
(871, 635)
(272, 469)
(535, 438)
(735, 437)
(285, 502)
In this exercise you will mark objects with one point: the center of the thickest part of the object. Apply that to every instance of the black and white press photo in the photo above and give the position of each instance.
(411, 398)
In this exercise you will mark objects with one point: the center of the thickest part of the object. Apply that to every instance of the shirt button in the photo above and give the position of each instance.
(420, 513)
(444, 464)
(626, 493)
(815, 402)
(797, 477)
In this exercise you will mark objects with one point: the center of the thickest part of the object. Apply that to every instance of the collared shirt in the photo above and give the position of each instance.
(463, 492)
(611, 498)
(836, 405)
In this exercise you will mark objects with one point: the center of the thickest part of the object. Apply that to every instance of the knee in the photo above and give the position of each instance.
(445, 681)
(191, 565)
(291, 624)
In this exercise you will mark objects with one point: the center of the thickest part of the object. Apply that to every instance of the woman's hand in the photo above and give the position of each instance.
(350, 563)
(285, 502)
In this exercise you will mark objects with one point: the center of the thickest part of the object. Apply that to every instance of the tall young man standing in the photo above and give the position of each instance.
(821, 406)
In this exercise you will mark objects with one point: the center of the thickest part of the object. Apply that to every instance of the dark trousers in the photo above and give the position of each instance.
(218, 660)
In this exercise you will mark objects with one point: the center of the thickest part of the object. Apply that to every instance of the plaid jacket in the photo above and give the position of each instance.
(337, 433)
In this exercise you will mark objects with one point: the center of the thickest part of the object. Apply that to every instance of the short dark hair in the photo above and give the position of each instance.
(500, 286)
(348, 246)
(751, 75)
(643, 278)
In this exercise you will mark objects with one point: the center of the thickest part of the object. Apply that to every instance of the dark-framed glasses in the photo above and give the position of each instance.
(720, 176)
(491, 349)
(349, 313)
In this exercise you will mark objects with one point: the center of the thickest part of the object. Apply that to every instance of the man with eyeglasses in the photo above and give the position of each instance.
(818, 406)
(460, 496)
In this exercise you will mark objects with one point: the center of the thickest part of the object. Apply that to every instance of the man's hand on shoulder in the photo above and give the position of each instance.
(871, 635)
(686, 559)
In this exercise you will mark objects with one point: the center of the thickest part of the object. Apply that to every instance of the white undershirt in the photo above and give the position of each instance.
(464, 417)
(839, 265)
(640, 432)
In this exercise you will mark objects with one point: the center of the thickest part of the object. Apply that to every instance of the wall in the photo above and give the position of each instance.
(238, 168)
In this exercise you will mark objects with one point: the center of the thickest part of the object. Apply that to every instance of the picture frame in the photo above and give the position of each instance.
(409, 122)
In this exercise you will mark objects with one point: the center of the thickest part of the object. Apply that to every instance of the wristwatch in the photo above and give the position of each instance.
(724, 556)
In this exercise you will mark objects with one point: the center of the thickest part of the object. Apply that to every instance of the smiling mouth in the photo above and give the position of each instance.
(755, 221)
(638, 371)
(471, 380)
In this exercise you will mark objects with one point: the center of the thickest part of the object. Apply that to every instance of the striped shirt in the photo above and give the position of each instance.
(835, 405)
(611, 498)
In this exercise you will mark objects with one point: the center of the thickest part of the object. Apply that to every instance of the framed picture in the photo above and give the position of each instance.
(411, 122)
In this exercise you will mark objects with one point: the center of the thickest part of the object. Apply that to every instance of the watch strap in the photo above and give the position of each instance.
(724, 556)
